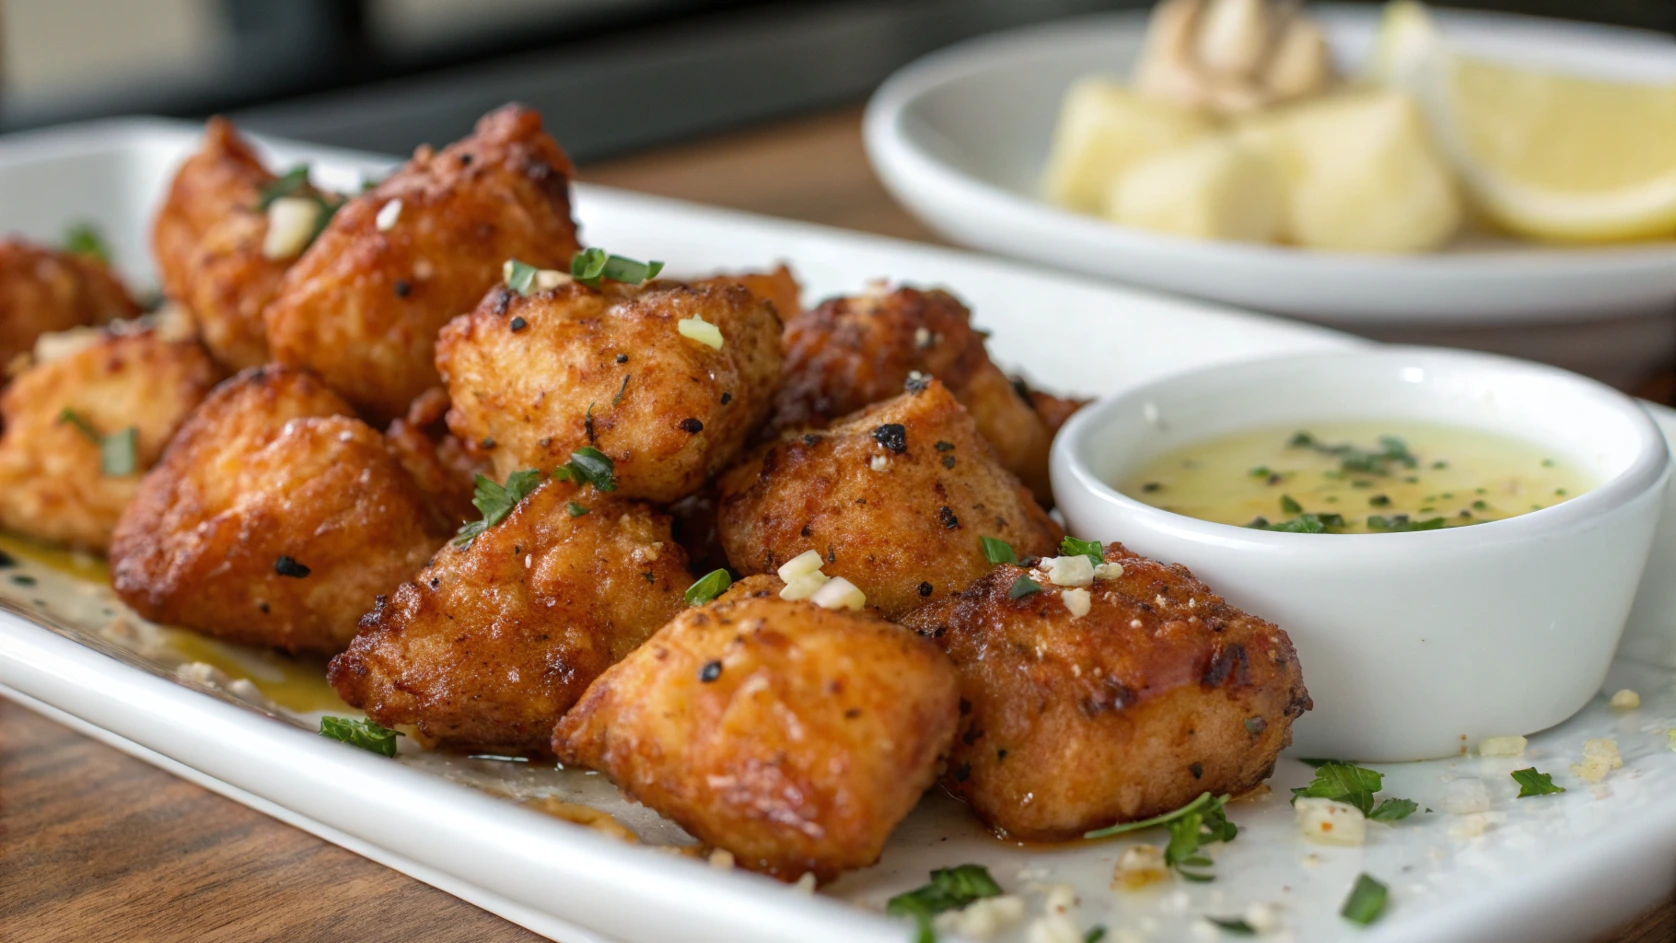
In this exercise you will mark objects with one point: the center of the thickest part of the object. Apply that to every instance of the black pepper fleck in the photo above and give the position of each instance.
(1000, 754)
(288, 566)
(487, 443)
(893, 436)
(944, 446)
(465, 159)
(963, 773)
(622, 358)
(809, 438)
(692, 425)
(1197, 770)
(726, 397)
(945, 514)
(262, 607)
(519, 324)
(925, 589)
(807, 531)
(710, 672)
(948, 461)
(403, 289)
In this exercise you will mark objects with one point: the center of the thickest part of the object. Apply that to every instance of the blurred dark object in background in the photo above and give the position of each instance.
(610, 75)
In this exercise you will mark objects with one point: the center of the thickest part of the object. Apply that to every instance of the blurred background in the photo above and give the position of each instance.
(610, 75)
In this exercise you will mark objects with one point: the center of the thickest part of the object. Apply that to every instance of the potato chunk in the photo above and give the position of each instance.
(43, 290)
(54, 484)
(1157, 692)
(793, 736)
(535, 378)
(207, 240)
(894, 498)
(855, 351)
(275, 518)
(492, 641)
(363, 306)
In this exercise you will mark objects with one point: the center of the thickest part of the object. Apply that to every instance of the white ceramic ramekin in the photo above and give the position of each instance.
(1414, 645)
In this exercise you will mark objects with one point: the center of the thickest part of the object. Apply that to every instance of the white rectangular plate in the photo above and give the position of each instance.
(1555, 868)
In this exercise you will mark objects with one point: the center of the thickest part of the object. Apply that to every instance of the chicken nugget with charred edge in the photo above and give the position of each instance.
(55, 483)
(207, 240)
(895, 498)
(1158, 692)
(851, 352)
(793, 736)
(492, 641)
(533, 379)
(439, 463)
(275, 518)
(44, 290)
(363, 306)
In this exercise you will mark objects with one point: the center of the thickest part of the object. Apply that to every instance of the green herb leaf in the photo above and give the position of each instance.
(1234, 925)
(1196, 824)
(576, 510)
(1533, 783)
(118, 452)
(997, 551)
(1091, 549)
(708, 587)
(362, 733)
(1401, 523)
(520, 276)
(1196, 805)
(1394, 810)
(1366, 901)
(497, 501)
(950, 889)
(1095, 934)
(591, 466)
(1302, 524)
(287, 184)
(1290, 506)
(1023, 586)
(84, 239)
(1261, 471)
(1341, 782)
(591, 266)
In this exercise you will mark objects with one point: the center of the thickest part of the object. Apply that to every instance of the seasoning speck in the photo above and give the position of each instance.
(519, 324)
(893, 436)
(710, 672)
(946, 515)
(622, 358)
(288, 566)
(691, 425)
(403, 289)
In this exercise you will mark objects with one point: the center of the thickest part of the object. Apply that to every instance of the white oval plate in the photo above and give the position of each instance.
(960, 138)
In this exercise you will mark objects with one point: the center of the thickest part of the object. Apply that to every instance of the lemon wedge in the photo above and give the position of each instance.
(1544, 154)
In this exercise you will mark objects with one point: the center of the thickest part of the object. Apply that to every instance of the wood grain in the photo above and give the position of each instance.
(96, 846)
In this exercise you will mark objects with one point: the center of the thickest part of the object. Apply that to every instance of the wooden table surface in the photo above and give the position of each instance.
(96, 846)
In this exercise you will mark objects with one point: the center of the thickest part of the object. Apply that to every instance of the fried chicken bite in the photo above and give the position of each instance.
(894, 498)
(1120, 698)
(439, 463)
(793, 736)
(851, 352)
(779, 287)
(208, 242)
(44, 290)
(495, 639)
(363, 306)
(535, 378)
(275, 518)
(59, 481)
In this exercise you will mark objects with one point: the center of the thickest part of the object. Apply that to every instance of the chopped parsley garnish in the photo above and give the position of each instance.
(84, 239)
(363, 733)
(1022, 587)
(996, 550)
(286, 184)
(1290, 506)
(497, 501)
(591, 266)
(1533, 783)
(950, 889)
(1091, 549)
(1366, 901)
(1392, 452)
(1261, 471)
(708, 587)
(1200, 822)
(520, 276)
(1095, 934)
(1234, 925)
(118, 452)
(576, 510)
(1354, 785)
(591, 466)
(1402, 523)
(1302, 524)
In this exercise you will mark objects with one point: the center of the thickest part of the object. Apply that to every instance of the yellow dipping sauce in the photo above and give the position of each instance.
(1362, 477)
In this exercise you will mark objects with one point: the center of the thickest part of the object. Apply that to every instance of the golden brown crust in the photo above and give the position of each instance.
(44, 290)
(490, 643)
(51, 482)
(848, 353)
(899, 515)
(778, 287)
(272, 465)
(1160, 692)
(207, 240)
(536, 378)
(1055, 410)
(793, 736)
(362, 307)
(439, 463)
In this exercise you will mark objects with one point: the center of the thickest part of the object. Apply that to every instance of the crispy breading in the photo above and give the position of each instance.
(1160, 692)
(851, 352)
(439, 463)
(1054, 410)
(793, 736)
(274, 518)
(363, 306)
(207, 241)
(779, 286)
(52, 484)
(44, 290)
(535, 378)
(895, 498)
(493, 641)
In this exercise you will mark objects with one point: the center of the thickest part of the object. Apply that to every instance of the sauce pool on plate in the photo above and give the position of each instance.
(1362, 477)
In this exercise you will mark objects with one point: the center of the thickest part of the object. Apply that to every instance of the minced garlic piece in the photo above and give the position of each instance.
(387, 216)
(1502, 746)
(1331, 823)
(548, 279)
(1138, 866)
(1108, 571)
(1058, 898)
(809, 561)
(1078, 601)
(1264, 918)
(1467, 796)
(804, 586)
(839, 593)
(982, 918)
(698, 329)
(879, 463)
(805, 884)
(1626, 700)
(1599, 758)
(1054, 928)
(291, 223)
(1471, 825)
(1069, 571)
(721, 859)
